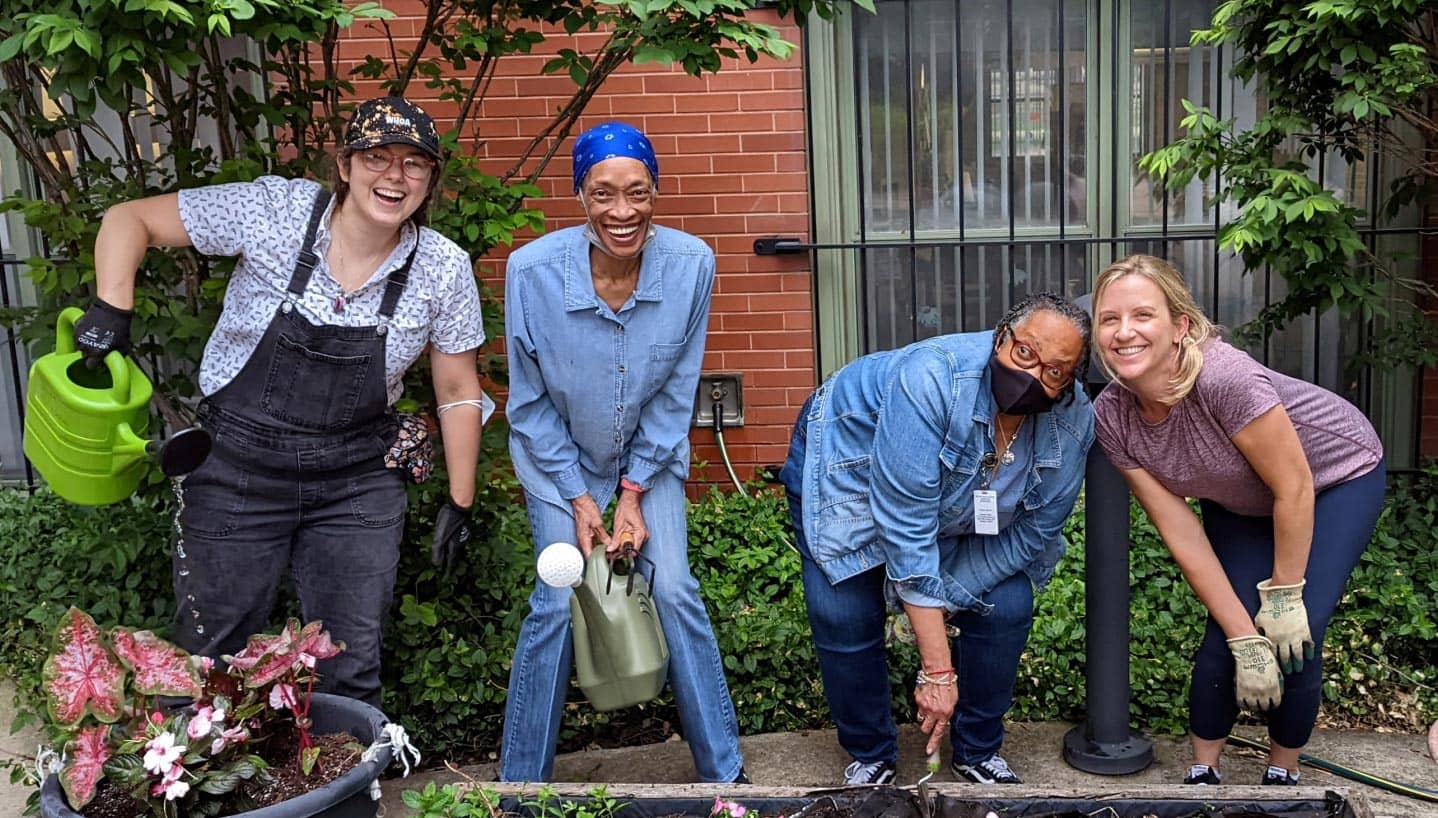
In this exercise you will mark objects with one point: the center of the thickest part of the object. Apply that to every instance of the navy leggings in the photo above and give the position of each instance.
(1343, 520)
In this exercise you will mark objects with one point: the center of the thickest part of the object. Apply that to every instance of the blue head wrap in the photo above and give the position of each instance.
(608, 141)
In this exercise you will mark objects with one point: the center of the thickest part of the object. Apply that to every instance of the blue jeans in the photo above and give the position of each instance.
(545, 653)
(1344, 517)
(848, 624)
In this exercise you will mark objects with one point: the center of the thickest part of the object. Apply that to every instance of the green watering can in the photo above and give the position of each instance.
(86, 427)
(620, 655)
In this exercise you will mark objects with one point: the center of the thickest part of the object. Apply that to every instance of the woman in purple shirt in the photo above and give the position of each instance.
(1290, 480)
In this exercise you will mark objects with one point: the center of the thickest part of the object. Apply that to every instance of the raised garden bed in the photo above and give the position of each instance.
(969, 801)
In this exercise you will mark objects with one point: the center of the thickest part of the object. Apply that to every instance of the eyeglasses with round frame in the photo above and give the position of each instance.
(1023, 356)
(417, 168)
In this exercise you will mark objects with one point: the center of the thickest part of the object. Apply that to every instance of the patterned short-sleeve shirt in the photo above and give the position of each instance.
(263, 222)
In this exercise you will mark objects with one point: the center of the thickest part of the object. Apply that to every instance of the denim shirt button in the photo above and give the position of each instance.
(620, 408)
(621, 369)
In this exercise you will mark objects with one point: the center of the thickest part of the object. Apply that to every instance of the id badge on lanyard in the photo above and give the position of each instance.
(986, 511)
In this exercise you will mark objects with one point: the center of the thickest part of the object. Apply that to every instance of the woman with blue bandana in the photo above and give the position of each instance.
(606, 324)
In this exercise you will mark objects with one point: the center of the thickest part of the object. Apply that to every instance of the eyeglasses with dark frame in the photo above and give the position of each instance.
(417, 168)
(1023, 356)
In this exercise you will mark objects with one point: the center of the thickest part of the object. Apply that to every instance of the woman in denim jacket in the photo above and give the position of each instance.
(937, 478)
(605, 325)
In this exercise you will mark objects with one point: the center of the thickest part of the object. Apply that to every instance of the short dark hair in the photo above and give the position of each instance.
(1052, 302)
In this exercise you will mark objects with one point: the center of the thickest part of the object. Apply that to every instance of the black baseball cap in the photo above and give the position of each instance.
(392, 121)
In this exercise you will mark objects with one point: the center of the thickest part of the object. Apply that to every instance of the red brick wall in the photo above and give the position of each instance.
(733, 166)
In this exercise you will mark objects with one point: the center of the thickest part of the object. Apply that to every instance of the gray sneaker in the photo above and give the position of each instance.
(871, 772)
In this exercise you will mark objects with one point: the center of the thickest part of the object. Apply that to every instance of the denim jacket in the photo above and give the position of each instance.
(594, 394)
(894, 447)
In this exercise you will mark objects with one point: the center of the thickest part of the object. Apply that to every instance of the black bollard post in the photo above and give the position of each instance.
(1105, 744)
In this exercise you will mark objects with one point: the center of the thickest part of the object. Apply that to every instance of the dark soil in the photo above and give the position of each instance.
(339, 753)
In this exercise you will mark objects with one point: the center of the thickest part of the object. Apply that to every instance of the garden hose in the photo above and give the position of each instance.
(1349, 773)
(723, 449)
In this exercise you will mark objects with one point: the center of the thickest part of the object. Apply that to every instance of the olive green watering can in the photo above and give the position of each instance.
(620, 656)
(86, 427)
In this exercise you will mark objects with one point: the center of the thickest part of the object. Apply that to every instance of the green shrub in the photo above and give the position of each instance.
(111, 561)
(451, 638)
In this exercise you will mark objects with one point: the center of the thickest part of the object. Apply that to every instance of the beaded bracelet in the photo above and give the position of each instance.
(947, 676)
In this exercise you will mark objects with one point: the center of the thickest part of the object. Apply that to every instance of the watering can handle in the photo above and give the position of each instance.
(114, 359)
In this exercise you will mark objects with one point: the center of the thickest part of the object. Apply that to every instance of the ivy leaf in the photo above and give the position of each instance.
(160, 668)
(82, 675)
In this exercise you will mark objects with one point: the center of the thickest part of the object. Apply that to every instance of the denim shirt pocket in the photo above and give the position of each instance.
(661, 364)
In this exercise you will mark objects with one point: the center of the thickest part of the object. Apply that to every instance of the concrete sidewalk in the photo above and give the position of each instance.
(814, 759)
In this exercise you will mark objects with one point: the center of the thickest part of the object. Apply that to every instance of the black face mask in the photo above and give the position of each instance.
(1016, 392)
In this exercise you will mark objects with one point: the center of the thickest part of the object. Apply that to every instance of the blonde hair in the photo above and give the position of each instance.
(1180, 304)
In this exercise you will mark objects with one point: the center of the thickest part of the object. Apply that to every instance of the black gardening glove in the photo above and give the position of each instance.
(103, 327)
(451, 532)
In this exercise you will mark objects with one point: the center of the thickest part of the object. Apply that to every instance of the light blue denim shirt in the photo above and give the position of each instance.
(893, 456)
(596, 395)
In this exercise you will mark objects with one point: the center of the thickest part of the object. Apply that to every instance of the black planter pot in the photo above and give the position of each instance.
(345, 797)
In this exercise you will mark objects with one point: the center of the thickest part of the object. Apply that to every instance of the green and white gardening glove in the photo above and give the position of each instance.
(1256, 679)
(1284, 620)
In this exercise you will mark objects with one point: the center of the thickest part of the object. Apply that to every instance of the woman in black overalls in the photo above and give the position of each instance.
(330, 302)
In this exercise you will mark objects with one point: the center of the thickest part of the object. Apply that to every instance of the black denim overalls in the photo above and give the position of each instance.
(297, 479)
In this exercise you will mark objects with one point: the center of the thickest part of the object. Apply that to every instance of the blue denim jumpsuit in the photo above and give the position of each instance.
(881, 473)
(595, 395)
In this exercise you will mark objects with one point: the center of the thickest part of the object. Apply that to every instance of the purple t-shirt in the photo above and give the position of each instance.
(1191, 451)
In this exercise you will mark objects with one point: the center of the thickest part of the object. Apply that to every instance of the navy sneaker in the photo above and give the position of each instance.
(1202, 774)
(870, 772)
(993, 771)
(1278, 776)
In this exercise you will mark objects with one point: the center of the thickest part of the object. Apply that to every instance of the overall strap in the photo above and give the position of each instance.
(394, 287)
(305, 263)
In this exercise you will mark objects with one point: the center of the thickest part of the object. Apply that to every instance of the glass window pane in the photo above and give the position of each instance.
(1164, 70)
(920, 292)
(883, 118)
(951, 133)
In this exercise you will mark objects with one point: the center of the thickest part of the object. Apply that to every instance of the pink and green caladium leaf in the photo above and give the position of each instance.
(82, 675)
(160, 668)
(267, 658)
(88, 752)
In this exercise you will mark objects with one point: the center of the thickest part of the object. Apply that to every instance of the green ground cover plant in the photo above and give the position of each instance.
(451, 637)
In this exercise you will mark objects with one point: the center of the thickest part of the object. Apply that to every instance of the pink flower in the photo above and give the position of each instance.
(732, 809)
(283, 697)
(157, 718)
(204, 664)
(226, 737)
(206, 719)
(171, 785)
(161, 753)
